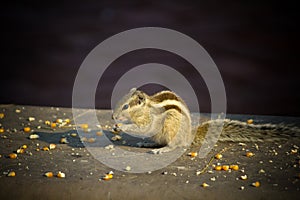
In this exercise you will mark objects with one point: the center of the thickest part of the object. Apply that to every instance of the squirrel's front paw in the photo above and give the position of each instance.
(121, 127)
(161, 150)
(116, 128)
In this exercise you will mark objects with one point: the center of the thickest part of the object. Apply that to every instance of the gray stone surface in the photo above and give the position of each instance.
(280, 165)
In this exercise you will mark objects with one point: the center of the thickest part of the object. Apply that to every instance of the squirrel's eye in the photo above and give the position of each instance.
(125, 107)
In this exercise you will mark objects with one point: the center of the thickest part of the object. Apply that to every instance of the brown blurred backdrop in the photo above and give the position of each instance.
(253, 43)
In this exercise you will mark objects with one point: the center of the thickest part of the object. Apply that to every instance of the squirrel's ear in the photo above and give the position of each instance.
(132, 90)
(141, 95)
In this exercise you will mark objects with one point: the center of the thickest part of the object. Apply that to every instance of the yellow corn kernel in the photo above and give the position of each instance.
(244, 177)
(205, 185)
(218, 168)
(294, 151)
(52, 146)
(27, 129)
(73, 134)
(61, 174)
(59, 121)
(91, 140)
(2, 115)
(13, 155)
(84, 126)
(193, 154)
(99, 133)
(20, 150)
(47, 122)
(49, 174)
(218, 156)
(225, 167)
(249, 154)
(45, 148)
(53, 125)
(256, 184)
(2, 130)
(250, 121)
(63, 140)
(107, 177)
(31, 119)
(234, 167)
(11, 174)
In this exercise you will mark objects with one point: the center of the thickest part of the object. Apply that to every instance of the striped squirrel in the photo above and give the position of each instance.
(166, 118)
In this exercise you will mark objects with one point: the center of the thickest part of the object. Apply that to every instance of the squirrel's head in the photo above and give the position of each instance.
(130, 106)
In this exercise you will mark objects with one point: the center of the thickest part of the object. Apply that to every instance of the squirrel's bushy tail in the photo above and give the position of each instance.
(238, 131)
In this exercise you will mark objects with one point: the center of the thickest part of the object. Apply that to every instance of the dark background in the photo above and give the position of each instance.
(254, 44)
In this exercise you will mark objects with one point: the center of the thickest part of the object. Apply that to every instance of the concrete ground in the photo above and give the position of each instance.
(274, 165)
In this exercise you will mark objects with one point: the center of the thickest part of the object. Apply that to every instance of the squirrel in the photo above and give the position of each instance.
(166, 118)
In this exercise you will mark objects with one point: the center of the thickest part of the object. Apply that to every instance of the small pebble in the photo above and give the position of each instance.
(128, 168)
(34, 136)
